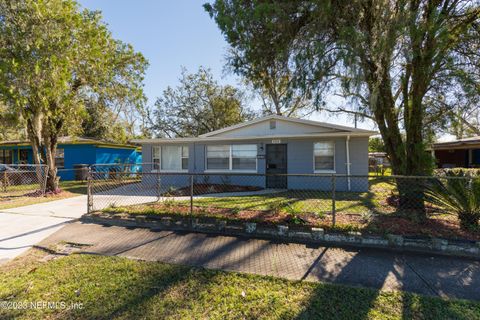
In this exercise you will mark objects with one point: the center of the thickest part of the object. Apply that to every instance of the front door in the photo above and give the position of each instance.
(276, 164)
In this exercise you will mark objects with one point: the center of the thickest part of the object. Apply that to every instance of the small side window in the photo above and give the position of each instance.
(273, 124)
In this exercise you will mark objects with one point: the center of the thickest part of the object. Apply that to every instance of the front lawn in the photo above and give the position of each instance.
(119, 288)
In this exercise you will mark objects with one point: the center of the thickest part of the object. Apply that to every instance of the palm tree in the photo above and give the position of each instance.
(457, 193)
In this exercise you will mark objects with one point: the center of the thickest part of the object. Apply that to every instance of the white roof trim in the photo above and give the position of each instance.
(294, 136)
(277, 117)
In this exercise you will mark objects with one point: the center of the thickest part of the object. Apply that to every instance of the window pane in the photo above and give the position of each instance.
(59, 162)
(156, 164)
(218, 157)
(171, 158)
(244, 163)
(244, 157)
(184, 163)
(184, 151)
(244, 151)
(24, 156)
(7, 159)
(59, 153)
(324, 149)
(218, 163)
(218, 151)
(324, 163)
(324, 155)
(156, 153)
(60, 158)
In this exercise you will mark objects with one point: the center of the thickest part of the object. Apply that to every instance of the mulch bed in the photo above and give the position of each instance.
(435, 226)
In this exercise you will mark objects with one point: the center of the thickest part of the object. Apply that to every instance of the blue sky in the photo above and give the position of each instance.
(172, 34)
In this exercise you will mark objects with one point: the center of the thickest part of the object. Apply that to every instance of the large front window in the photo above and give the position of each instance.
(324, 156)
(237, 157)
(170, 158)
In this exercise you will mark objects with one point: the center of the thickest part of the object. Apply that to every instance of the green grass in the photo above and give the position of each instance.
(299, 201)
(118, 288)
(15, 195)
(310, 201)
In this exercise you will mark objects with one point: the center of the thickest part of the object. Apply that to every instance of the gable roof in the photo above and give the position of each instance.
(288, 119)
(325, 130)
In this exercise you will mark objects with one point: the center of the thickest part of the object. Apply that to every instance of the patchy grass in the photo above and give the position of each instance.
(118, 288)
(24, 195)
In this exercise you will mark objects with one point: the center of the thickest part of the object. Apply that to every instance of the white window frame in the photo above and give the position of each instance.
(230, 159)
(334, 155)
(159, 147)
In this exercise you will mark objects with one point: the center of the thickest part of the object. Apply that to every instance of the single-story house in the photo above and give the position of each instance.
(72, 151)
(268, 145)
(462, 153)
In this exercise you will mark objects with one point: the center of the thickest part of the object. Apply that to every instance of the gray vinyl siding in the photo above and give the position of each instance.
(359, 156)
(282, 128)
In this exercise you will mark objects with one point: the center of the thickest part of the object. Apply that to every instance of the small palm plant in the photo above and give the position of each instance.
(457, 193)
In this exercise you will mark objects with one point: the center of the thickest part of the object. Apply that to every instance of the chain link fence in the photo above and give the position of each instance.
(18, 180)
(309, 199)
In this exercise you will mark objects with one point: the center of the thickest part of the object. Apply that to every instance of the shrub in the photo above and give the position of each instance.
(459, 172)
(457, 192)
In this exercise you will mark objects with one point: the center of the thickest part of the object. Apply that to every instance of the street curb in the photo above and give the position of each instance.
(290, 233)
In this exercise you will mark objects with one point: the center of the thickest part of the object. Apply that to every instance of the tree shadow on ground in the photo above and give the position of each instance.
(349, 304)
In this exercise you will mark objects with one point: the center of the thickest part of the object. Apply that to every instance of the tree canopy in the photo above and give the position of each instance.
(54, 58)
(198, 105)
(392, 61)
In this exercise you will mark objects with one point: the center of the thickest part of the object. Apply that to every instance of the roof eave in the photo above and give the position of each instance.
(213, 139)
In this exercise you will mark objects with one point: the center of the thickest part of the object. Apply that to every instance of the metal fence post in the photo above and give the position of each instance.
(89, 191)
(191, 195)
(5, 181)
(333, 200)
(159, 187)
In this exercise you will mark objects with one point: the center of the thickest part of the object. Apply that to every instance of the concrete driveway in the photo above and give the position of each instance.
(23, 227)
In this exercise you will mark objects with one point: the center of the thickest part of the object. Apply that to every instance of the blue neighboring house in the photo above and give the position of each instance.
(72, 151)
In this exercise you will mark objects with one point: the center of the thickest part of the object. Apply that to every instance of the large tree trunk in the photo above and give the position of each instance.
(43, 138)
(51, 131)
(34, 129)
(410, 190)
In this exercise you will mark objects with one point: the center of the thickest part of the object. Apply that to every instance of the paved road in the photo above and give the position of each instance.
(21, 228)
(430, 275)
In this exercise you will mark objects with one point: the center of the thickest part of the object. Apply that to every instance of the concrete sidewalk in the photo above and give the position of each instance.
(429, 275)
